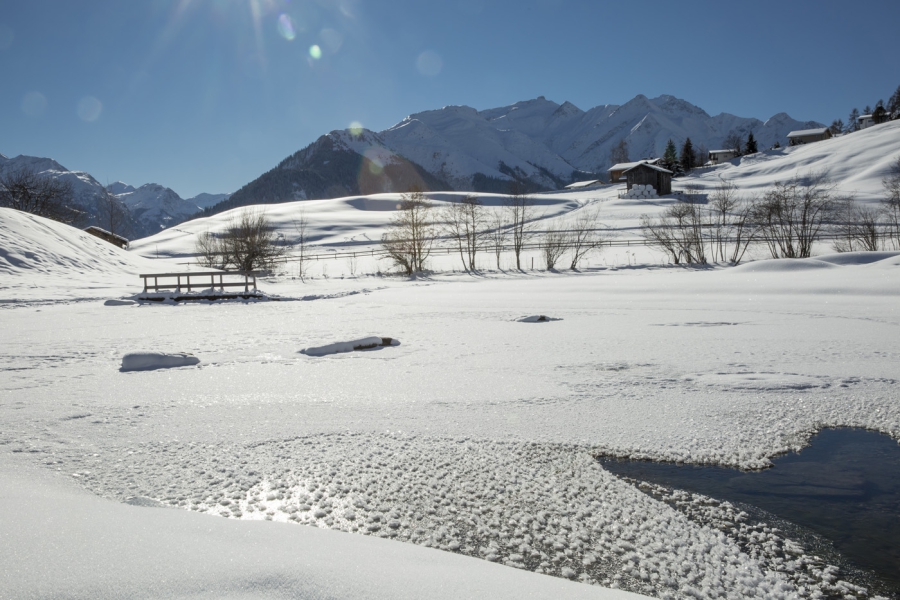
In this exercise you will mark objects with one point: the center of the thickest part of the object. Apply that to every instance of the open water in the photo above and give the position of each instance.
(845, 487)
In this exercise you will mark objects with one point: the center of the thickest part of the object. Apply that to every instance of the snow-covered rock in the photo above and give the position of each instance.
(149, 361)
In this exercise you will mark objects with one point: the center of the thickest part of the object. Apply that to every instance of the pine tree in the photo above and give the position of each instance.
(670, 156)
(837, 126)
(687, 155)
(853, 121)
(894, 103)
(750, 147)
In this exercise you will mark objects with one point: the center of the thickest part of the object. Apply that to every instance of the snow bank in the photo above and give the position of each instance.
(857, 258)
(366, 343)
(148, 361)
(782, 265)
(59, 541)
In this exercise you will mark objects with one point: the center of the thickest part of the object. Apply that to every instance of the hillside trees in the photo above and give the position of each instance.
(750, 146)
(687, 158)
(25, 190)
(836, 127)
(853, 121)
(891, 204)
(410, 238)
(670, 156)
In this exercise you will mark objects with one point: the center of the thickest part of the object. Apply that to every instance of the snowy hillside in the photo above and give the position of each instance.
(539, 142)
(40, 257)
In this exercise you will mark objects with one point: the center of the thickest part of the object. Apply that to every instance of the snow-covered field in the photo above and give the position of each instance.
(476, 435)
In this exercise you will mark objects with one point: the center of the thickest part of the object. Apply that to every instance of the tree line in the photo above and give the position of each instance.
(788, 219)
(880, 114)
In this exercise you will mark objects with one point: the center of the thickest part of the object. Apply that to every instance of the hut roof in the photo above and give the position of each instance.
(581, 184)
(649, 166)
(805, 132)
(631, 165)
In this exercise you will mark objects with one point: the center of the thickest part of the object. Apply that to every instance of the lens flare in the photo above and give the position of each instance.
(429, 63)
(315, 52)
(331, 39)
(34, 104)
(89, 109)
(286, 27)
(355, 128)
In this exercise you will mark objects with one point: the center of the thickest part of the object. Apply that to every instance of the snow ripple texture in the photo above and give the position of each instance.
(548, 509)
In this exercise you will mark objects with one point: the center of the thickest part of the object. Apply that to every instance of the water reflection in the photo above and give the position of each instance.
(844, 487)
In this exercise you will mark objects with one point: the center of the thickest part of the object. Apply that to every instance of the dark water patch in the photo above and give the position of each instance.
(845, 487)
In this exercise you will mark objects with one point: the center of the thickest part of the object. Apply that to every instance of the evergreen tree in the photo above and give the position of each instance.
(867, 110)
(750, 147)
(670, 156)
(853, 121)
(687, 155)
(837, 126)
(894, 103)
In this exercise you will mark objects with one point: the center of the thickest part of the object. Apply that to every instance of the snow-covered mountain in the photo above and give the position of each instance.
(538, 142)
(152, 206)
(156, 207)
(207, 200)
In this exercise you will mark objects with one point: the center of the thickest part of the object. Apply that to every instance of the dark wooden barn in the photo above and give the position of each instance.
(112, 238)
(647, 174)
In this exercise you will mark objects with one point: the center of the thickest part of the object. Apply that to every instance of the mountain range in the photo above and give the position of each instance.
(151, 207)
(539, 143)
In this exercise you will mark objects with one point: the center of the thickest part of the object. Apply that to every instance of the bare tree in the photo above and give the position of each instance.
(25, 190)
(519, 211)
(301, 248)
(248, 243)
(679, 231)
(464, 223)
(584, 235)
(553, 245)
(857, 227)
(619, 153)
(497, 232)
(210, 251)
(734, 141)
(112, 214)
(793, 215)
(412, 232)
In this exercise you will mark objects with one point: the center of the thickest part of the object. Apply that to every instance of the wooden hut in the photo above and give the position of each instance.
(112, 238)
(808, 136)
(647, 174)
(617, 171)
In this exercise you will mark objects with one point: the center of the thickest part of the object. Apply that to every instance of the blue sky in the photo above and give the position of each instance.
(205, 95)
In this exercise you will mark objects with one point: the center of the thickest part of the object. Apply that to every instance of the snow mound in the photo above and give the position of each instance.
(857, 258)
(148, 361)
(366, 343)
(113, 302)
(784, 265)
(537, 319)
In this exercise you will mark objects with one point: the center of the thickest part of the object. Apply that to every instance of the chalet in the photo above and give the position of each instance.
(112, 238)
(808, 136)
(618, 170)
(584, 185)
(720, 156)
(645, 173)
(865, 121)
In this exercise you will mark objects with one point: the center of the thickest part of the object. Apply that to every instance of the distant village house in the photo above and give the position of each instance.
(808, 136)
(617, 171)
(720, 156)
(645, 173)
(112, 238)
